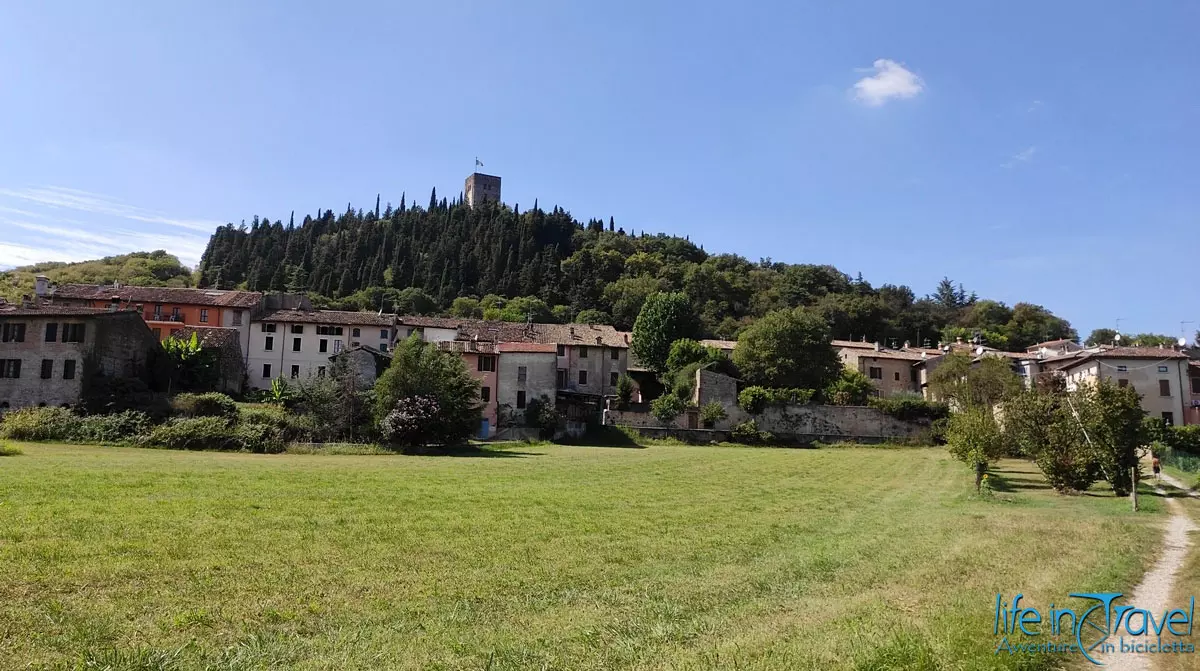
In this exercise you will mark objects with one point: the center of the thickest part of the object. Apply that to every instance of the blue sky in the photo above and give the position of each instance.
(1044, 152)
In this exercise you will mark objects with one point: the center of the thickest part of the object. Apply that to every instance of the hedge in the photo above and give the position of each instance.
(910, 408)
(756, 399)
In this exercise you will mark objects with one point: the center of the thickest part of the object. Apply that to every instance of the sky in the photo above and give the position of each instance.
(1039, 152)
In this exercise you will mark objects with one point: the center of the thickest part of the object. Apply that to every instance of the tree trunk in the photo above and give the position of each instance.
(980, 469)
(1133, 494)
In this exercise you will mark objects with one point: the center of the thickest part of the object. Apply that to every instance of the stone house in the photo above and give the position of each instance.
(54, 355)
(1160, 376)
(295, 344)
(527, 371)
(1192, 414)
(891, 371)
(481, 359)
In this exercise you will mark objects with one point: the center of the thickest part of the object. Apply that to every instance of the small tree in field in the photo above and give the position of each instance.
(975, 439)
(420, 369)
(1039, 425)
(1116, 436)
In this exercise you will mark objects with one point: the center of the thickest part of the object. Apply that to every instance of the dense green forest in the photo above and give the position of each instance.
(500, 262)
(156, 268)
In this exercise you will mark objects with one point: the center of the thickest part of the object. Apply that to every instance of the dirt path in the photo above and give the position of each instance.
(1154, 592)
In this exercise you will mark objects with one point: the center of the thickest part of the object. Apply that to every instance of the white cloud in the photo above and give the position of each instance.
(1034, 106)
(891, 80)
(1022, 156)
(83, 201)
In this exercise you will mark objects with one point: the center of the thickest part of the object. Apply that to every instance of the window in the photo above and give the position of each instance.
(320, 371)
(1168, 418)
(1164, 387)
(268, 328)
(876, 373)
(615, 354)
(520, 400)
(329, 330)
(158, 312)
(52, 332)
(47, 369)
(69, 369)
(337, 346)
(582, 352)
(583, 377)
(485, 363)
(298, 328)
(1196, 385)
(174, 314)
(355, 333)
(1122, 382)
(72, 332)
(266, 371)
(10, 368)
(562, 378)
(612, 379)
(12, 332)
(295, 372)
(237, 317)
(522, 374)
(323, 346)
(897, 374)
(203, 315)
(269, 344)
(1122, 369)
(296, 344)
(913, 376)
(485, 394)
(1162, 369)
(383, 347)
(562, 350)
(383, 334)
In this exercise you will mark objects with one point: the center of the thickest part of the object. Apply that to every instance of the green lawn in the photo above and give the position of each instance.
(540, 557)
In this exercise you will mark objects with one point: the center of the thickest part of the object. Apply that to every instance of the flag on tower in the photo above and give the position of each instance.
(478, 163)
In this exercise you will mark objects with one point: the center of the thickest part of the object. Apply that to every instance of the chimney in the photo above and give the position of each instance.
(26, 301)
(958, 340)
(626, 338)
(41, 285)
(905, 344)
(572, 330)
(599, 340)
(877, 346)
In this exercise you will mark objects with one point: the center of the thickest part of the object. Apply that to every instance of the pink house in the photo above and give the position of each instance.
(481, 359)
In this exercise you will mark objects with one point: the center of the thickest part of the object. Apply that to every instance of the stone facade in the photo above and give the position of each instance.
(527, 372)
(295, 344)
(61, 350)
(480, 188)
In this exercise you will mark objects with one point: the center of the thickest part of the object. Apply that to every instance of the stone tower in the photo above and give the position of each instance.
(481, 187)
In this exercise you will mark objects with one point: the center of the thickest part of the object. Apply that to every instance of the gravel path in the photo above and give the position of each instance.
(1154, 592)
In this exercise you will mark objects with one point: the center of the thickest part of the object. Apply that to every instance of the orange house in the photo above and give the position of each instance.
(166, 310)
(481, 359)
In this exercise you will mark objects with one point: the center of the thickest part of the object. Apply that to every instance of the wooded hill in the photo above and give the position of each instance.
(148, 269)
(502, 262)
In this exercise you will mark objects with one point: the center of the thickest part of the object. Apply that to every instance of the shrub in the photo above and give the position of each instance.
(747, 433)
(39, 424)
(412, 422)
(910, 407)
(939, 430)
(667, 407)
(292, 427)
(7, 450)
(850, 388)
(975, 438)
(195, 433)
(541, 413)
(624, 392)
(260, 438)
(711, 413)
(210, 404)
(756, 399)
(116, 428)
(1183, 438)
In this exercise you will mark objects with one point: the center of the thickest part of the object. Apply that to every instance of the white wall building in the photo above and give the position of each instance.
(295, 344)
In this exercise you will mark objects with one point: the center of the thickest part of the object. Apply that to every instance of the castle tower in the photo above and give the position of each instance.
(481, 187)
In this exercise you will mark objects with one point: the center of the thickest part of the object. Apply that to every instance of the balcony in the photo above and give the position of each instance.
(156, 317)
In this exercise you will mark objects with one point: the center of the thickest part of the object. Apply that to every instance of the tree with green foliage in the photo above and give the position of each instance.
(1112, 418)
(963, 383)
(664, 318)
(1102, 337)
(593, 317)
(624, 392)
(850, 387)
(466, 308)
(1039, 425)
(788, 348)
(193, 367)
(420, 369)
(975, 438)
(667, 407)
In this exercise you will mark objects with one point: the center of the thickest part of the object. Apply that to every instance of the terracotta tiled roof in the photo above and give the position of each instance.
(520, 332)
(212, 336)
(179, 295)
(430, 322)
(891, 354)
(47, 310)
(1051, 344)
(727, 345)
(853, 343)
(335, 317)
(1150, 353)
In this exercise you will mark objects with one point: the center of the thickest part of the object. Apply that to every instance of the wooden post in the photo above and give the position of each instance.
(1133, 495)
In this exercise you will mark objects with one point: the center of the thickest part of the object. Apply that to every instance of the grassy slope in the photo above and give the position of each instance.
(569, 558)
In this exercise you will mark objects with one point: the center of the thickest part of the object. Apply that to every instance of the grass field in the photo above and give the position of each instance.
(537, 557)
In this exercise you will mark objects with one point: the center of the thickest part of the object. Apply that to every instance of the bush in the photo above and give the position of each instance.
(624, 392)
(541, 414)
(711, 413)
(39, 424)
(7, 450)
(850, 388)
(1184, 439)
(910, 408)
(121, 427)
(292, 427)
(975, 439)
(210, 404)
(747, 433)
(196, 433)
(260, 438)
(412, 422)
(756, 399)
(939, 430)
(667, 407)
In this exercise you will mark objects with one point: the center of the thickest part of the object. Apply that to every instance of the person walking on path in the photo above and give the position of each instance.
(1157, 466)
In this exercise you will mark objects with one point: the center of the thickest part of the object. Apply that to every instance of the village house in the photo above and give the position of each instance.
(891, 371)
(1158, 375)
(295, 344)
(166, 310)
(526, 372)
(50, 355)
(1192, 414)
(480, 358)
